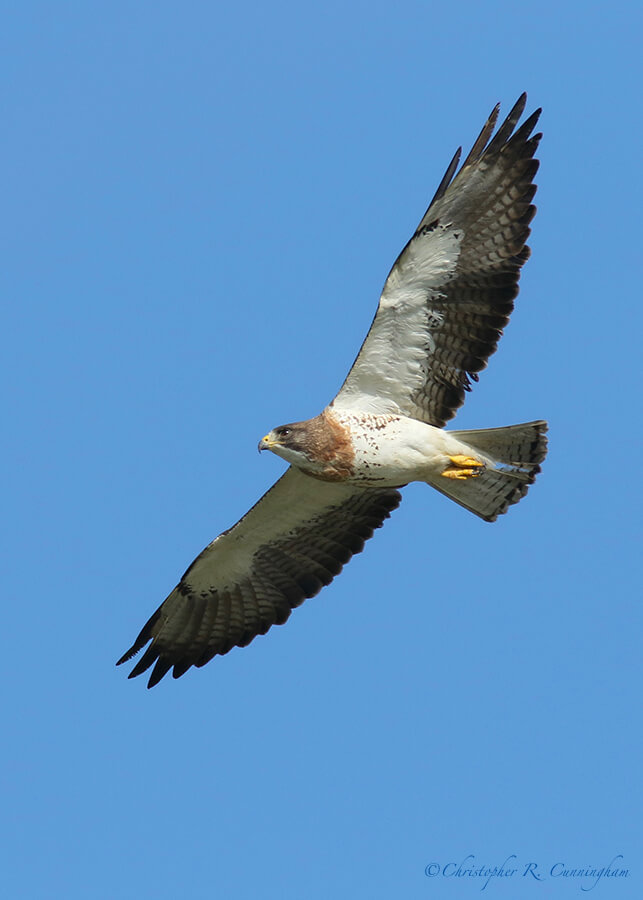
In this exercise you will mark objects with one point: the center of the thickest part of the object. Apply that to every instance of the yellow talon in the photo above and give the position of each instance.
(466, 462)
(463, 467)
(460, 474)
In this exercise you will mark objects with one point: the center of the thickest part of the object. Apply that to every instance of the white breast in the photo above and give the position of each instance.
(393, 450)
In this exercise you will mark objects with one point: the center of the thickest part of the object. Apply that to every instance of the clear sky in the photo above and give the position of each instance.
(201, 202)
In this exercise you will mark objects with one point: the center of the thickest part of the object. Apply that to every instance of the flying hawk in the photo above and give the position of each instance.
(441, 313)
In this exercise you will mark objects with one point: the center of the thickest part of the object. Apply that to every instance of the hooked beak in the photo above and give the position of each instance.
(266, 443)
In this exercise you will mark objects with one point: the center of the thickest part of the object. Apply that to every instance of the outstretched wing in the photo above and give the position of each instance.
(451, 291)
(286, 548)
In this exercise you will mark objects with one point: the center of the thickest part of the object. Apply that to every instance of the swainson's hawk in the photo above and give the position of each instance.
(441, 313)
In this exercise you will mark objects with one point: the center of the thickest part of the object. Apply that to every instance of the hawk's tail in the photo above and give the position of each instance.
(511, 457)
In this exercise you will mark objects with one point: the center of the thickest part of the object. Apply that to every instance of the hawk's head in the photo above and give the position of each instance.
(319, 446)
(292, 442)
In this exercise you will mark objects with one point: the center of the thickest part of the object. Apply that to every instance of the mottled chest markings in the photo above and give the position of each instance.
(370, 427)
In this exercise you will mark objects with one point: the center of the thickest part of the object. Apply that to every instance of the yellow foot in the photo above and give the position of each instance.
(463, 467)
(467, 462)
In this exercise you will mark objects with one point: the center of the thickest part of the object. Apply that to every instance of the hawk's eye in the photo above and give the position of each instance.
(285, 432)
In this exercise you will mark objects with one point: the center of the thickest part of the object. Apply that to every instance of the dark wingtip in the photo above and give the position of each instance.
(161, 668)
(150, 655)
(180, 668)
(481, 141)
(448, 176)
(519, 106)
(144, 635)
(140, 642)
(506, 129)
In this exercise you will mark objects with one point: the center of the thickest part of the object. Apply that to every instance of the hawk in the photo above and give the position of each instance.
(441, 313)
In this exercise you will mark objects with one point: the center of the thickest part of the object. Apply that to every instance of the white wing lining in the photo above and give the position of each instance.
(393, 360)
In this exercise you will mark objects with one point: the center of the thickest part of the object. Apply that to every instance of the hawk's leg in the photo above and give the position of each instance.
(463, 467)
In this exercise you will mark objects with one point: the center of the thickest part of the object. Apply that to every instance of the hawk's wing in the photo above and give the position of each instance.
(286, 548)
(450, 292)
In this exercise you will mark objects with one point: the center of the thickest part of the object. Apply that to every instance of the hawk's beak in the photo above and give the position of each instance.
(266, 443)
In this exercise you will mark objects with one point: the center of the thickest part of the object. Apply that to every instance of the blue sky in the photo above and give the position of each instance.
(195, 196)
